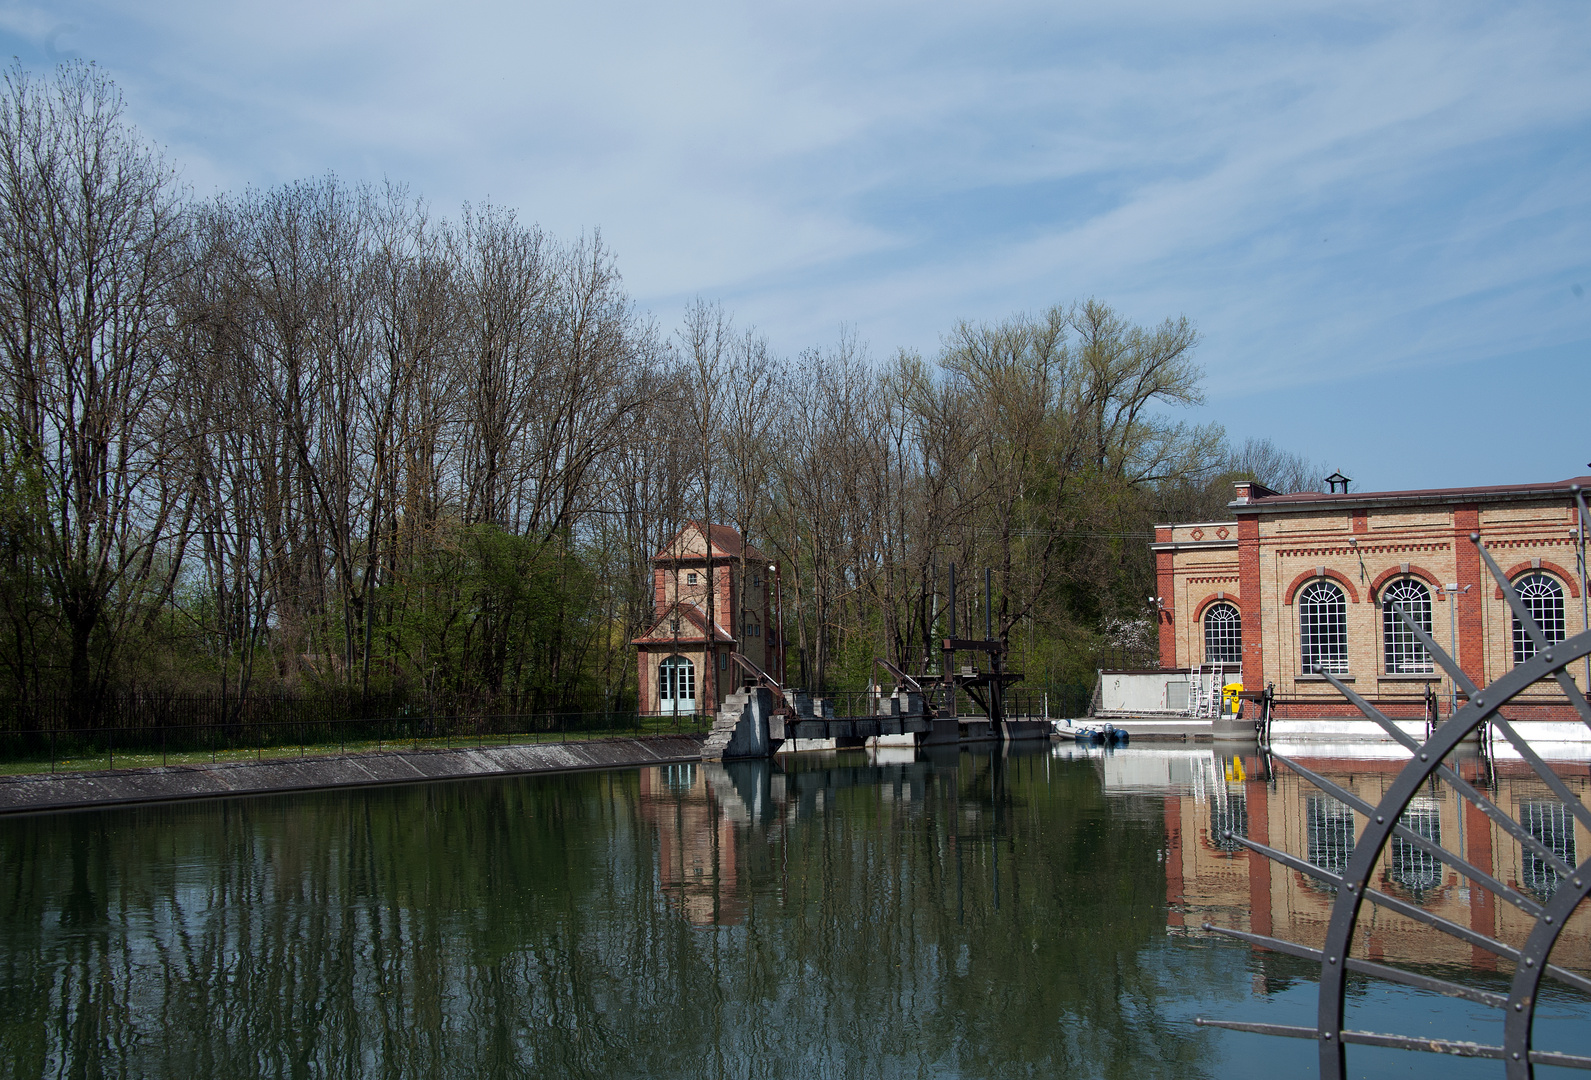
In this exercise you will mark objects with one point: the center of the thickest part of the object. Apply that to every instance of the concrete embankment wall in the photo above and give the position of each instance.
(21, 794)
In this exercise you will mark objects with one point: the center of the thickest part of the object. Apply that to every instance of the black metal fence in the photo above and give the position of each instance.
(260, 734)
(1055, 702)
(145, 709)
(135, 731)
(1117, 659)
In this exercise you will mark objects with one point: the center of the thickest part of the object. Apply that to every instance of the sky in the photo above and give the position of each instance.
(1378, 216)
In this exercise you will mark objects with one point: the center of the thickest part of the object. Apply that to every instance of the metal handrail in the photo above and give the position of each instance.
(901, 678)
(764, 679)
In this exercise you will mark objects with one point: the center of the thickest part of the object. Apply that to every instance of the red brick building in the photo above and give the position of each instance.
(1304, 582)
(681, 668)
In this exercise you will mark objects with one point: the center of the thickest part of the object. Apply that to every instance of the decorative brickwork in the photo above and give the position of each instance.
(1221, 597)
(1363, 542)
(1404, 570)
(1321, 572)
(1568, 580)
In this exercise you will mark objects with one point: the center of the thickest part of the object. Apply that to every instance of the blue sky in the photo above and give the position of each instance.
(1378, 215)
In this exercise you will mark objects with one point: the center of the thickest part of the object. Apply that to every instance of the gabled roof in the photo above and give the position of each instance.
(727, 544)
(691, 616)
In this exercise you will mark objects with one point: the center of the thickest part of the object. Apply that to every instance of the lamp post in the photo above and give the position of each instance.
(778, 604)
(1453, 593)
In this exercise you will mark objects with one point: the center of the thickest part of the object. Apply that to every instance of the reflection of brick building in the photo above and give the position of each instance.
(1304, 582)
(679, 669)
(1209, 878)
(696, 848)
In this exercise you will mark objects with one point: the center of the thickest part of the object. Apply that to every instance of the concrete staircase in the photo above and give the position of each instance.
(741, 729)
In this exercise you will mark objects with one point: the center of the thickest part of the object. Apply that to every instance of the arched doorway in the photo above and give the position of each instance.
(676, 685)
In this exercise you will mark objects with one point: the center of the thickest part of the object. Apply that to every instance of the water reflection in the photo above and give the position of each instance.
(697, 868)
(1210, 878)
(953, 914)
(961, 915)
(1412, 867)
(1550, 823)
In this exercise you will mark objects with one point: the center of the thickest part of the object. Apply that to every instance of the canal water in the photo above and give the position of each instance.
(841, 915)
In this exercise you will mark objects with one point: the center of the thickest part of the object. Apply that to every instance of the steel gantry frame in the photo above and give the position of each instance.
(985, 688)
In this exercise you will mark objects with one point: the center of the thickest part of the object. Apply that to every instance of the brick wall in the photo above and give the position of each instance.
(1366, 549)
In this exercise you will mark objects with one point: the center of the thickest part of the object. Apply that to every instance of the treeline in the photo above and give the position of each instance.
(312, 439)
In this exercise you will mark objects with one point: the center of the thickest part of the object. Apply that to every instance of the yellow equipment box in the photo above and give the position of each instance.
(1230, 705)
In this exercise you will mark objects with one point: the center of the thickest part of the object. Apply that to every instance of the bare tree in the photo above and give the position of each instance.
(1280, 470)
(706, 343)
(751, 408)
(90, 228)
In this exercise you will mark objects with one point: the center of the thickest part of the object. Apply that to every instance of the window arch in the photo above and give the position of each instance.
(1543, 598)
(676, 685)
(1323, 628)
(1402, 651)
(1223, 634)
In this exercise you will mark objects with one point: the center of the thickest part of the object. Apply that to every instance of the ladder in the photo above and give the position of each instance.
(1204, 691)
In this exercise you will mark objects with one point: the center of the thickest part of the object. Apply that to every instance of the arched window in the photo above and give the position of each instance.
(1543, 598)
(1223, 635)
(676, 685)
(1323, 628)
(1403, 651)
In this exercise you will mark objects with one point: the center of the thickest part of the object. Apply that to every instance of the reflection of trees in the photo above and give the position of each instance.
(517, 926)
(992, 923)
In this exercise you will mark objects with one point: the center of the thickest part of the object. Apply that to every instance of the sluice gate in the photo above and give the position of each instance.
(762, 716)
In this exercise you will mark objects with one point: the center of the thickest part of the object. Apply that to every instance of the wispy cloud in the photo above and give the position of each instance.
(1334, 192)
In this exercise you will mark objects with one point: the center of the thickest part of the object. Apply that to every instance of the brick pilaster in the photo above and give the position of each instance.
(1471, 642)
(1248, 587)
(1165, 585)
